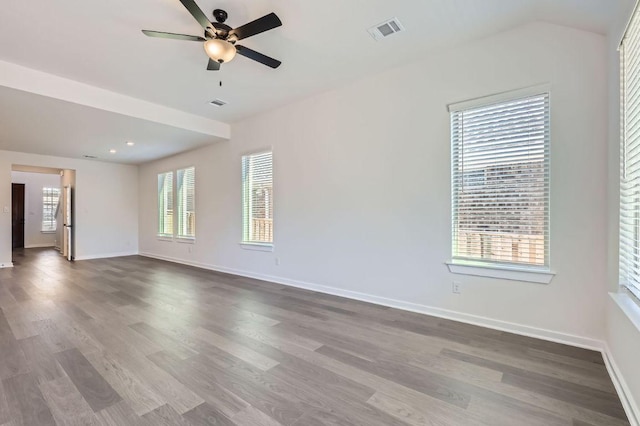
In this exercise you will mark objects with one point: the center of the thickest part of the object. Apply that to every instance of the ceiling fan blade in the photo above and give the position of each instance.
(257, 56)
(213, 65)
(197, 13)
(258, 26)
(172, 36)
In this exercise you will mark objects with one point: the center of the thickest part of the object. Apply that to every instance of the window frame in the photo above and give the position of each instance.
(245, 242)
(160, 210)
(178, 188)
(497, 269)
(629, 208)
(42, 222)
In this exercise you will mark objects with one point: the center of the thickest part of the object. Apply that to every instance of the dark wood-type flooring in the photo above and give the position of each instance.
(139, 341)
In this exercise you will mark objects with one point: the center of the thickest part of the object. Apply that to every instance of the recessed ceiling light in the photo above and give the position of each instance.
(130, 143)
(113, 151)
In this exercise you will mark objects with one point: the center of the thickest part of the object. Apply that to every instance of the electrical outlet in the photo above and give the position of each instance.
(277, 261)
(189, 249)
(455, 287)
(6, 209)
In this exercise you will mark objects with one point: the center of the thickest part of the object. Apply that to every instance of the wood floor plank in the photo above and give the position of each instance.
(257, 360)
(40, 359)
(228, 403)
(139, 341)
(583, 396)
(206, 414)
(94, 388)
(166, 416)
(253, 417)
(24, 395)
(126, 383)
(120, 414)
(66, 403)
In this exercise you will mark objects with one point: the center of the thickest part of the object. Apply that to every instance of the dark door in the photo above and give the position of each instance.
(17, 215)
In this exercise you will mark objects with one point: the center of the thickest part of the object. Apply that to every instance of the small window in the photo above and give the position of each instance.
(165, 204)
(500, 182)
(186, 203)
(50, 198)
(257, 198)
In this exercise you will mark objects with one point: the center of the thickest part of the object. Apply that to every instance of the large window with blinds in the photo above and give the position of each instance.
(500, 180)
(257, 198)
(630, 158)
(165, 204)
(50, 198)
(186, 191)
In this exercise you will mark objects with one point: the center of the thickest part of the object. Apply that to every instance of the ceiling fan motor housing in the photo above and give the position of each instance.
(220, 15)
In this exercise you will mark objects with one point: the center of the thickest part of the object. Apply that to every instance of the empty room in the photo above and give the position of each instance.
(309, 213)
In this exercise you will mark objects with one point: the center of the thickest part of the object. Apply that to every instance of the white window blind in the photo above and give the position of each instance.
(500, 182)
(165, 204)
(257, 198)
(186, 203)
(50, 199)
(630, 158)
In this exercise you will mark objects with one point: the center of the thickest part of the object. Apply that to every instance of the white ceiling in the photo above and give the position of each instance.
(322, 44)
(67, 129)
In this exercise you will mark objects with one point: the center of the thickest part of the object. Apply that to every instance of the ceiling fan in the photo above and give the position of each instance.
(220, 39)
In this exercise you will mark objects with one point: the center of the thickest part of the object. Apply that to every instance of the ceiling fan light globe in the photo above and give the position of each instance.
(219, 50)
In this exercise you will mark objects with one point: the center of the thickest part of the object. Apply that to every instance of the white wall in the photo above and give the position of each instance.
(106, 204)
(34, 182)
(362, 193)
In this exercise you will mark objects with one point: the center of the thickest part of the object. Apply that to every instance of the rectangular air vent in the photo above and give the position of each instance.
(217, 102)
(385, 29)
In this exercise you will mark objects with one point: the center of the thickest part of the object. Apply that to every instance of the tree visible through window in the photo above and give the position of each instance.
(50, 198)
(500, 182)
(257, 198)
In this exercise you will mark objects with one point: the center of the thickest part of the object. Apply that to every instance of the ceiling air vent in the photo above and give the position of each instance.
(89, 156)
(217, 102)
(385, 29)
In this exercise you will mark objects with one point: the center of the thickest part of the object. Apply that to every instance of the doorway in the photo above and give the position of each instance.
(17, 215)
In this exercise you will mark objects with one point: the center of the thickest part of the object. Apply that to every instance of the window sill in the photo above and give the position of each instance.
(165, 238)
(185, 240)
(629, 306)
(47, 232)
(256, 246)
(502, 272)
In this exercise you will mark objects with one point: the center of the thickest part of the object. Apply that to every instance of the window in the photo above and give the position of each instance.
(50, 198)
(500, 181)
(165, 204)
(630, 159)
(186, 203)
(257, 198)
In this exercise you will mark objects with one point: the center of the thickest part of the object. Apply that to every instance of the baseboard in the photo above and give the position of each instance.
(524, 330)
(39, 246)
(630, 407)
(106, 255)
(6, 265)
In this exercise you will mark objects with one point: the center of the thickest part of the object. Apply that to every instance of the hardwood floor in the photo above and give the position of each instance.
(139, 341)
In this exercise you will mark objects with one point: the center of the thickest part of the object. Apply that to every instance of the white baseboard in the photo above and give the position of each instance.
(525, 330)
(630, 407)
(39, 245)
(6, 265)
(106, 255)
